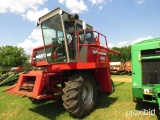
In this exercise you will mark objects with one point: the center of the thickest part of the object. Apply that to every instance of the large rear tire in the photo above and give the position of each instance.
(80, 95)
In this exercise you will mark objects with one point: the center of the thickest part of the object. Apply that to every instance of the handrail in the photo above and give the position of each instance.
(96, 45)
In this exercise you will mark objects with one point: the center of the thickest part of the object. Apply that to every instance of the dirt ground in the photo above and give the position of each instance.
(121, 78)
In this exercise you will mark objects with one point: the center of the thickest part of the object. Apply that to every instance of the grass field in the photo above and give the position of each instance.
(122, 78)
(116, 106)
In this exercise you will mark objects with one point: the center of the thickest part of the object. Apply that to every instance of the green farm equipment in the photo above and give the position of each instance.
(146, 71)
(10, 77)
(4, 70)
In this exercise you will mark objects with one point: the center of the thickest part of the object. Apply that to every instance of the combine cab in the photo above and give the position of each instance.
(145, 71)
(72, 63)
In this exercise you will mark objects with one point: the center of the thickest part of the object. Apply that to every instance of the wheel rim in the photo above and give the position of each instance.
(87, 94)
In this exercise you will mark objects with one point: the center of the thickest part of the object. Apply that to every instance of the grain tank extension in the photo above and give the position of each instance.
(146, 71)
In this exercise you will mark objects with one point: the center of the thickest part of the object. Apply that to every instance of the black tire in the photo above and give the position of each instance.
(80, 95)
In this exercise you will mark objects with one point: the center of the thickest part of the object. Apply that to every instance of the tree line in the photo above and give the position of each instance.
(124, 56)
(12, 56)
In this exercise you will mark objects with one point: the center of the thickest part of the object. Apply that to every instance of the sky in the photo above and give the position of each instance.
(124, 22)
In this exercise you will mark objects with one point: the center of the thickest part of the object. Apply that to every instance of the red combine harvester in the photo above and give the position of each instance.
(74, 61)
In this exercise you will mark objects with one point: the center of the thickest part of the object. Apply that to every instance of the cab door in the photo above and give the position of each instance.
(82, 56)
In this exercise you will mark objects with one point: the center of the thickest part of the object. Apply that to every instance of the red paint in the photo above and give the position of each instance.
(44, 81)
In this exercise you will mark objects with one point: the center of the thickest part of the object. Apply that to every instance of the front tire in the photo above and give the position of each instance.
(80, 95)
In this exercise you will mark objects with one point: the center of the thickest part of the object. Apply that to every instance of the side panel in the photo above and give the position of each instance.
(104, 79)
(83, 53)
(136, 70)
(136, 74)
(137, 92)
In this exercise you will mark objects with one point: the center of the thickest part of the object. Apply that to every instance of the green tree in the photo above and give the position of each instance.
(124, 56)
(12, 56)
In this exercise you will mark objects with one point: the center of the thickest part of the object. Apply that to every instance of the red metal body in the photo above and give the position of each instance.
(72, 63)
(44, 83)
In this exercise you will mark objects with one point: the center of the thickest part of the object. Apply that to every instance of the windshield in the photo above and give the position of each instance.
(54, 39)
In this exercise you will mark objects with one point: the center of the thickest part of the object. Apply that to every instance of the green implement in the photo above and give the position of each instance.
(8, 77)
(12, 77)
(146, 71)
